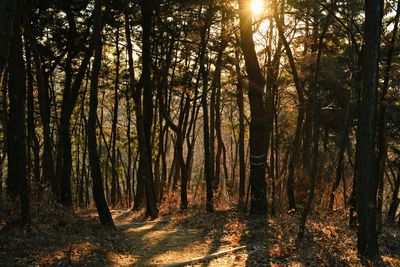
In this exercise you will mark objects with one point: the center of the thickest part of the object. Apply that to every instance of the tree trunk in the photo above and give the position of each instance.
(83, 133)
(394, 203)
(83, 170)
(7, 15)
(242, 130)
(114, 184)
(217, 109)
(315, 110)
(146, 118)
(259, 132)
(208, 167)
(33, 141)
(382, 119)
(139, 196)
(128, 176)
(344, 138)
(70, 96)
(48, 172)
(367, 243)
(16, 148)
(294, 154)
(98, 190)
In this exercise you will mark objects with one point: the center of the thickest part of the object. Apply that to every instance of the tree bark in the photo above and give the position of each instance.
(367, 243)
(242, 130)
(129, 176)
(139, 195)
(70, 96)
(48, 172)
(294, 154)
(33, 141)
(146, 118)
(315, 109)
(114, 179)
(221, 149)
(7, 15)
(259, 132)
(16, 148)
(344, 139)
(394, 203)
(98, 190)
(382, 119)
(208, 167)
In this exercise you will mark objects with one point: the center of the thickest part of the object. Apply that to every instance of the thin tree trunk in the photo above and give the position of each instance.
(315, 109)
(128, 176)
(48, 172)
(395, 201)
(382, 119)
(294, 154)
(33, 141)
(339, 170)
(84, 136)
(4, 121)
(139, 195)
(242, 130)
(208, 167)
(83, 170)
(98, 190)
(217, 108)
(114, 125)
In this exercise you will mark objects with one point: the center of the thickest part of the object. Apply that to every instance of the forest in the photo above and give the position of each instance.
(199, 133)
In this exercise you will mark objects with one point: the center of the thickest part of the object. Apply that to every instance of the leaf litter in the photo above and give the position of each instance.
(65, 239)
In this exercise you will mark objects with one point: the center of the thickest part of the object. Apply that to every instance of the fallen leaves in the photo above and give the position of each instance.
(64, 239)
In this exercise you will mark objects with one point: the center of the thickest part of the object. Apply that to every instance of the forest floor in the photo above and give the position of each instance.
(62, 239)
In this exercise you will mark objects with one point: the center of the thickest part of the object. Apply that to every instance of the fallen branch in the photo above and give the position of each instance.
(204, 258)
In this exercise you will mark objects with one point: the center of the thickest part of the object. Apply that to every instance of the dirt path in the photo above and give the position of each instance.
(172, 240)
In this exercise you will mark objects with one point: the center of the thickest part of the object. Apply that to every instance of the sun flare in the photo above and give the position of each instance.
(257, 6)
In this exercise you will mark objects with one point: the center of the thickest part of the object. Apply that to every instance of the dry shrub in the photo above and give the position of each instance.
(222, 200)
(170, 202)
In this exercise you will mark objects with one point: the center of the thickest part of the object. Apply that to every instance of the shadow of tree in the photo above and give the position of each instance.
(83, 241)
(254, 237)
(187, 235)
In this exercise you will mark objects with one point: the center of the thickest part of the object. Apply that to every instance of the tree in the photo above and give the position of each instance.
(367, 243)
(16, 145)
(48, 172)
(69, 100)
(208, 164)
(259, 132)
(7, 15)
(240, 102)
(98, 190)
(144, 116)
(294, 153)
(114, 179)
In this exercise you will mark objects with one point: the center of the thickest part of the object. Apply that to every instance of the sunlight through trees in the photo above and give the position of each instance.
(256, 115)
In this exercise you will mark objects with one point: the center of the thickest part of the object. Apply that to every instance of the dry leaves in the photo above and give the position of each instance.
(63, 239)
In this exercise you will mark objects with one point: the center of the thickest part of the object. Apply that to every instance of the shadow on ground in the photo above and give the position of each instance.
(67, 240)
